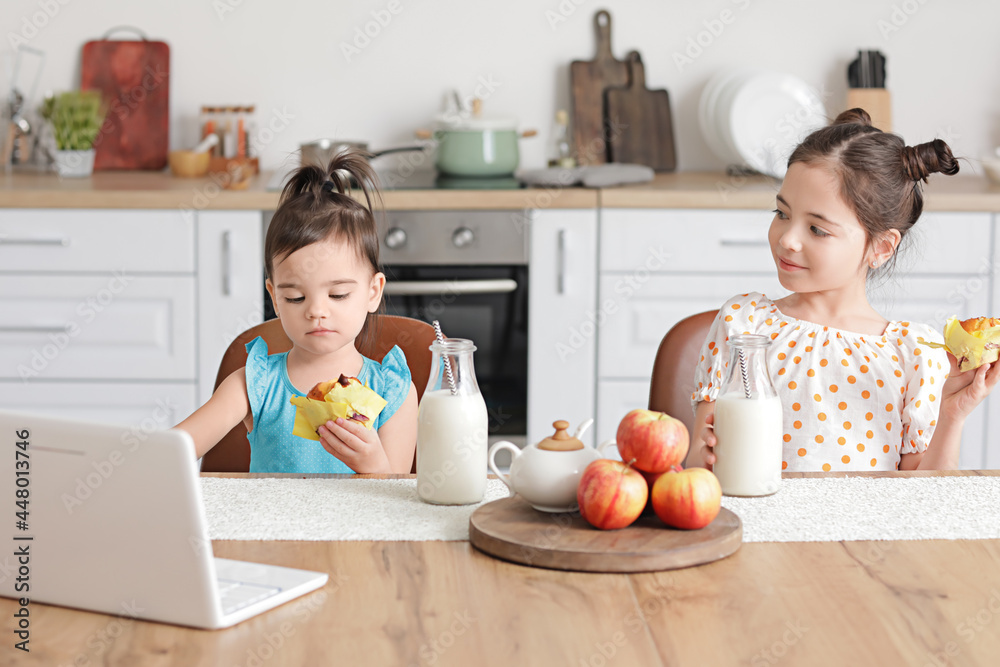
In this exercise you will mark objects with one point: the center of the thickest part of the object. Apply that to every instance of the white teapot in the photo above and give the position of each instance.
(548, 473)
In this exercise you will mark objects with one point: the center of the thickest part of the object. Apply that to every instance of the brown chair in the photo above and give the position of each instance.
(414, 337)
(673, 371)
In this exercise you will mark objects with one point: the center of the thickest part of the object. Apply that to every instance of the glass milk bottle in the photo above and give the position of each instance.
(451, 428)
(748, 422)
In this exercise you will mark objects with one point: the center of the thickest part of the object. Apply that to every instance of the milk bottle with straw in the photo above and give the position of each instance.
(748, 422)
(451, 427)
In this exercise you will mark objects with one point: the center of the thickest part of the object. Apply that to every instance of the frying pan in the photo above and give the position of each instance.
(321, 151)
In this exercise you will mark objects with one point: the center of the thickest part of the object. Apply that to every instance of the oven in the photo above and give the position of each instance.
(469, 271)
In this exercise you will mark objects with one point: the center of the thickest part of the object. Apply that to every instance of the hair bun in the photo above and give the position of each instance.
(857, 116)
(922, 160)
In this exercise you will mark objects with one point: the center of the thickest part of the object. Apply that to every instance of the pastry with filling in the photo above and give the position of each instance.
(974, 342)
(344, 397)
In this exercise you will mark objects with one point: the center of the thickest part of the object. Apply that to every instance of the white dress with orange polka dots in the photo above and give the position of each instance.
(849, 401)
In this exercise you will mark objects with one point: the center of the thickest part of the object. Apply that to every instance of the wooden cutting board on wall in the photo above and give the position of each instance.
(134, 77)
(588, 80)
(641, 128)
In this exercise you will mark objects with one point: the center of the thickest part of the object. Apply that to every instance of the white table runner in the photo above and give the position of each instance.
(804, 510)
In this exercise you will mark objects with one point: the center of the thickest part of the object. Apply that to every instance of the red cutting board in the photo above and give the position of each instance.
(134, 77)
(644, 128)
(588, 79)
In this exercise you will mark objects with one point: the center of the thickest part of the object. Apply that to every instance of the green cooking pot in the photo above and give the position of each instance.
(477, 146)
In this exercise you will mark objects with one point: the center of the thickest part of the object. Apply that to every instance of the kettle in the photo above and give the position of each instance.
(547, 474)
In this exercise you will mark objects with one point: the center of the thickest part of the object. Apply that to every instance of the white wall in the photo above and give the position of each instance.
(944, 59)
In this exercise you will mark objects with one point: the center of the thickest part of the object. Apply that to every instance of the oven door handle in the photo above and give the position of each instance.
(439, 287)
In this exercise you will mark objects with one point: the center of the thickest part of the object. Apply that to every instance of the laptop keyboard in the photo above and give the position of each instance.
(238, 594)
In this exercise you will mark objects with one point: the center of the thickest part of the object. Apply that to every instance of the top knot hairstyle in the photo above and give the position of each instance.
(880, 175)
(316, 204)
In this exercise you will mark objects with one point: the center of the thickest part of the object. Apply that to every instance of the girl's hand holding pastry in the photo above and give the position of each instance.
(962, 392)
(358, 447)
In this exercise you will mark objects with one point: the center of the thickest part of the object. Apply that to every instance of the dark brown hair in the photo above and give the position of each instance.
(880, 176)
(316, 205)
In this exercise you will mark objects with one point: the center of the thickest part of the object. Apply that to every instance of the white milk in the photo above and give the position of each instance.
(451, 448)
(748, 453)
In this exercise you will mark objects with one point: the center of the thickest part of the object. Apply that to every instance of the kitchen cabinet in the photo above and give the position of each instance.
(562, 320)
(127, 311)
(658, 266)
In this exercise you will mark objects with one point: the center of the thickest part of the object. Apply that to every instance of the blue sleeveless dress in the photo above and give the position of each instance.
(273, 448)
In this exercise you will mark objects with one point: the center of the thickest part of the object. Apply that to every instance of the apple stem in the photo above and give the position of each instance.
(629, 464)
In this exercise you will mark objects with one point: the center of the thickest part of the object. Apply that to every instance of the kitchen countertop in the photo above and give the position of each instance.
(445, 603)
(709, 190)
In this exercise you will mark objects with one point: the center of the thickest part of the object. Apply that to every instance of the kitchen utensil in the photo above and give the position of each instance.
(639, 125)
(755, 118)
(189, 164)
(134, 77)
(512, 530)
(321, 151)
(476, 146)
(209, 142)
(546, 474)
(588, 80)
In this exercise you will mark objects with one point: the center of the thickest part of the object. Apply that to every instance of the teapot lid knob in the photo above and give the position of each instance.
(560, 441)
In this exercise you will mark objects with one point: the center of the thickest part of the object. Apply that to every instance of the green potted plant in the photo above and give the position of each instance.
(76, 118)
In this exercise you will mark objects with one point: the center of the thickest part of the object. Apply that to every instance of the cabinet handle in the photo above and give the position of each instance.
(561, 262)
(744, 242)
(226, 264)
(40, 328)
(63, 241)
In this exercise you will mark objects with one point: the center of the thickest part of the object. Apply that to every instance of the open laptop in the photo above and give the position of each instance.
(117, 525)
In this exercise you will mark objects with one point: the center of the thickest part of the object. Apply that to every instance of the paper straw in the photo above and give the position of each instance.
(447, 360)
(743, 372)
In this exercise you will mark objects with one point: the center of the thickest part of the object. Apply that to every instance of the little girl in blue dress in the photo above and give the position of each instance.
(323, 276)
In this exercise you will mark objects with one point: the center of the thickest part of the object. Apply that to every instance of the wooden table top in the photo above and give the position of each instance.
(932, 602)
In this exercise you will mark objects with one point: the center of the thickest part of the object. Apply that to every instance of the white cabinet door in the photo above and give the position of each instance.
(638, 318)
(144, 407)
(562, 300)
(230, 285)
(113, 326)
(615, 399)
(95, 240)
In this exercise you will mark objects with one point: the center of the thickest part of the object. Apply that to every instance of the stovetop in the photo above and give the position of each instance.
(425, 179)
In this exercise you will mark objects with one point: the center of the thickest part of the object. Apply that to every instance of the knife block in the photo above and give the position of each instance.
(876, 101)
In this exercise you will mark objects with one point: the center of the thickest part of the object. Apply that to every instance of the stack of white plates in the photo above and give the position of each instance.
(755, 118)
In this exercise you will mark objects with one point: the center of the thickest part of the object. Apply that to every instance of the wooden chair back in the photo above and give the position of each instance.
(673, 370)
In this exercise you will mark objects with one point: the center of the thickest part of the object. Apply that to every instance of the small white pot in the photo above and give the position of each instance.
(75, 164)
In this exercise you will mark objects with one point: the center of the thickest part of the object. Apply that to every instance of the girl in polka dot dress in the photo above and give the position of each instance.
(857, 392)
(323, 276)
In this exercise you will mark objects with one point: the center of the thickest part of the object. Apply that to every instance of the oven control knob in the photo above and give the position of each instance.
(463, 236)
(395, 238)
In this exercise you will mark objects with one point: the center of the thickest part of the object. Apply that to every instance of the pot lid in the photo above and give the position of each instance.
(561, 441)
(466, 122)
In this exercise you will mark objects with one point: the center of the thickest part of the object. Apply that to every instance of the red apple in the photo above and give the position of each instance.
(611, 494)
(654, 441)
(688, 499)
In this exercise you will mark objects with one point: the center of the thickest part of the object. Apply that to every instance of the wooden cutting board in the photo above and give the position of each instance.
(134, 77)
(588, 79)
(513, 530)
(640, 126)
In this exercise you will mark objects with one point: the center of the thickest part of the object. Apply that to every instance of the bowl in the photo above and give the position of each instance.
(188, 164)
(991, 165)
